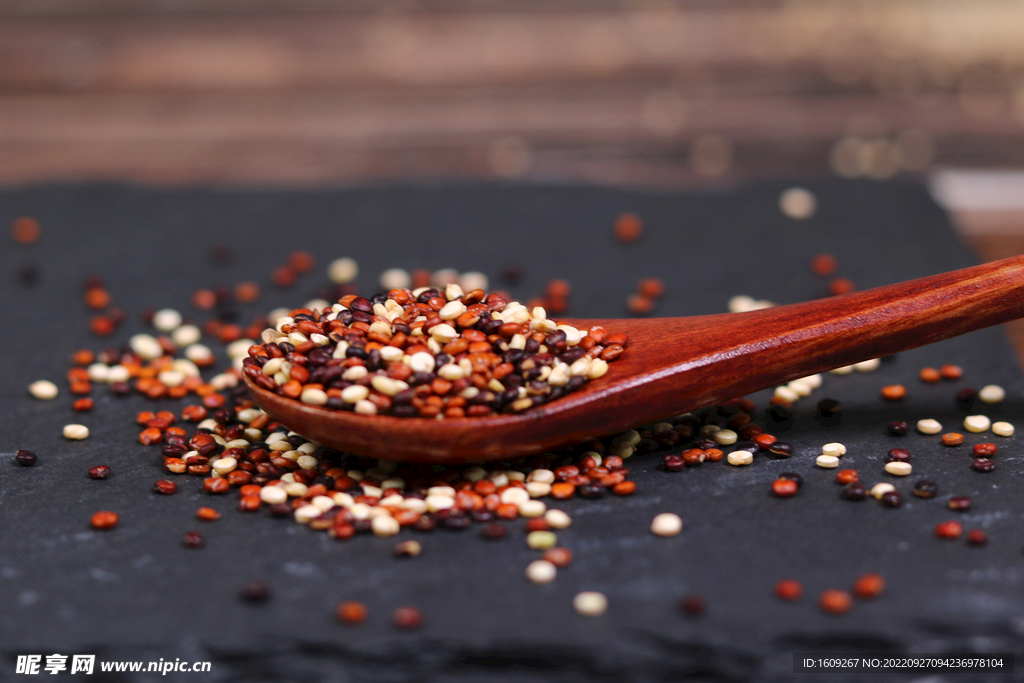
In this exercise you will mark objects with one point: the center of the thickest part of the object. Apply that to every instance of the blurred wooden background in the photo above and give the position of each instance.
(671, 93)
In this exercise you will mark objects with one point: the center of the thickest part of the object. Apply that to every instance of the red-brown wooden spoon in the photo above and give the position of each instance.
(672, 365)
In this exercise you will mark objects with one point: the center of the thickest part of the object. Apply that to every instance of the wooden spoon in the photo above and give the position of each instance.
(672, 365)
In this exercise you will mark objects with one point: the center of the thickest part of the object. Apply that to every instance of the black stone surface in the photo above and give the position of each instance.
(136, 593)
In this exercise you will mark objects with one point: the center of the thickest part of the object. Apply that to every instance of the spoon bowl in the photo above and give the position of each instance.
(672, 365)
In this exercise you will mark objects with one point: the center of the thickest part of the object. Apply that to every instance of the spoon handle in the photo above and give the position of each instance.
(735, 354)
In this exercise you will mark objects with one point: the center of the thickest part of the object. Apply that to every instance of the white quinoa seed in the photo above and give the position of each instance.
(474, 280)
(294, 488)
(43, 389)
(452, 310)
(453, 292)
(740, 458)
(197, 353)
(666, 524)
(724, 437)
(441, 491)
(272, 495)
(786, 394)
(444, 277)
(167, 320)
(741, 303)
(223, 466)
(992, 393)
(843, 370)
(977, 423)
(76, 432)
(532, 508)
(1002, 429)
(543, 476)
(325, 503)
(879, 490)
(384, 525)
(828, 461)
(307, 512)
(395, 278)
(836, 449)
(186, 335)
(98, 372)
(342, 271)
(436, 503)
(541, 571)
(515, 495)
(537, 489)
(798, 203)
(354, 393)
(146, 346)
(557, 519)
(869, 365)
(814, 380)
(421, 362)
(590, 603)
(173, 378)
(899, 469)
(313, 396)
(802, 388)
(929, 426)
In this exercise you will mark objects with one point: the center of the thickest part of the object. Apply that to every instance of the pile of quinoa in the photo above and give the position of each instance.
(428, 352)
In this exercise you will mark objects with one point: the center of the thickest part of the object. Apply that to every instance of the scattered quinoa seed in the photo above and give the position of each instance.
(977, 537)
(692, 605)
(784, 488)
(104, 520)
(76, 432)
(1002, 429)
(879, 490)
(590, 603)
(560, 557)
(869, 586)
(541, 540)
(740, 458)
(193, 539)
(899, 469)
(835, 601)
(666, 524)
(628, 227)
(951, 372)
(541, 571)
(797, 203)
(207, 514)
(952, 439)
(959, 503)
(977, 423)
(992, 393)
(25, 458)
(929, 426)
(894, 392)
(351, 612)
(925, 489)
(789, 590)
(408, 618)
(43, 389)
(949, 530)
(255, 592)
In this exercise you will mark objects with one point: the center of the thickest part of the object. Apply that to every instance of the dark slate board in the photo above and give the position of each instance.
(136, 593)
